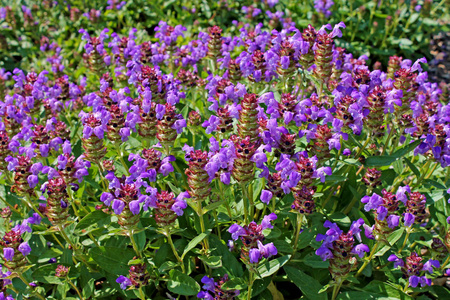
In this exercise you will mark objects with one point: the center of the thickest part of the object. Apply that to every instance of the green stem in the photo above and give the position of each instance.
(244, 198)
(28, 285)
(336, 289)
(386, 143)
(227, 205)
(250, 285)
(250, 199)
(75, 287)
(119, 152)
(133, 242)
(141, 293)
(174, 250)
(297, 233)
(372, 253)
(408, 232)
(424, 172)
(445, 262)
(202, 224)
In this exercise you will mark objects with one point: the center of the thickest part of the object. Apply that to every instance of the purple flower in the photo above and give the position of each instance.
(266, 222)
(346, 152)
(123, 281)
(134, 207)
(8, 253)
(35, 219)
(393, 221)
(428, 266)
(321, 172)
(397, 261)
(266, 196)
(211, 124)
(360, 249)
(179, 125)
(208, 284)
(324, 252)
(408, 219)
(24, 248)
(236, 231)
(118, 206)
(267, 250)
(33, 180)
(254, 255)
(225, 177)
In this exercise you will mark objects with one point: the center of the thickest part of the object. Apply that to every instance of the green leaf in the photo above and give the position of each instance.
(412, 167)
(309, 286)
(392, 239)
(270, 267)
(92, 221)
(405, 150)
(88, 288)
(335, 178)
(213, 205)
(383, 288)
(236, 283)
(314, 261)
(46, 274)
(194, 242)
(341, 219)
(434, 183)
(182, 284)
(380, 161)
(112, 259)
(213, 262)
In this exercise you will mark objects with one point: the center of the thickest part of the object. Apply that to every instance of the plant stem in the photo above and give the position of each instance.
(408, 232)
(336, 289)
(250, 199)
(244, 198)
(372, 253)
(169, 239)
(75, 287)
(202, 223)
(119, 152)
(133, 242)
(28, 285)
(445, 262)
(141, 293)
(297, 233)
(424, 171)
(250, 285)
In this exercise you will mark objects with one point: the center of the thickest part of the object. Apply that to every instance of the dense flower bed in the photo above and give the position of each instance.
(265, 164)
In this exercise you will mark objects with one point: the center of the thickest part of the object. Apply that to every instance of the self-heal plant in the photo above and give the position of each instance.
(341, 250)
(413, 269)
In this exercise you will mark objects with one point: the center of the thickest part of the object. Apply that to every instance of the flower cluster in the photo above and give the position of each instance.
(413, 268)
(340, 248)
(251, 235)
